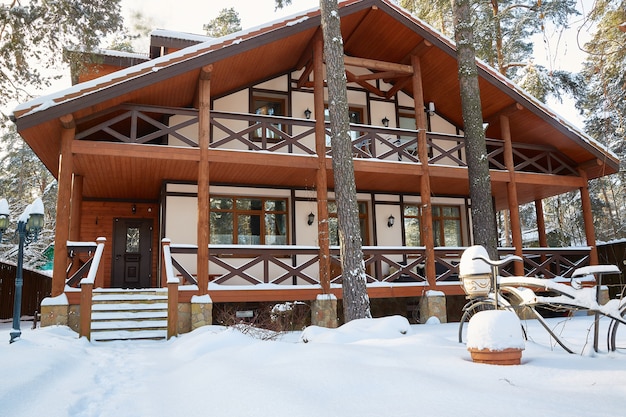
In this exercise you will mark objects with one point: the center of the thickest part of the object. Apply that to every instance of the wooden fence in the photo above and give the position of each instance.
(36, 287)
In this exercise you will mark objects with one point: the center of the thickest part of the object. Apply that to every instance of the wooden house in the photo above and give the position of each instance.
(221, 146)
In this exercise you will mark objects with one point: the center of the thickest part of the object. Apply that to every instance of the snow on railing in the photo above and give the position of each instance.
(93, 270)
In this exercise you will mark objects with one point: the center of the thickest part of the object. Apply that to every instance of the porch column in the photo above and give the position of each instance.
(321, 182)
(541, 224)
(511, 191)
(62, 234)
(75, 215)
(590, 232)
(422, 148)
(204, 132)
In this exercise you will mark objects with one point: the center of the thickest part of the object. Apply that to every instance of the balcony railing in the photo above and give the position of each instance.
(298, 265)
(279, 134)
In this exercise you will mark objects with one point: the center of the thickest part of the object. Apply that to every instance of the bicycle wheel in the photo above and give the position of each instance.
(472, 307)
(616, 338)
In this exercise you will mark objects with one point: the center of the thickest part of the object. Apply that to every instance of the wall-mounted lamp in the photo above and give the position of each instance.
(134, 209)
(310, 219)
(307, 113)
(431, 108)
(385, 122)
(391, 220)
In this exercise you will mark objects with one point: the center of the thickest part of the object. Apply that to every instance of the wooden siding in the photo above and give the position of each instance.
(98, 220)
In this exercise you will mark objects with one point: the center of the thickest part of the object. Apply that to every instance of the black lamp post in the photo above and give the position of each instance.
(29, 223)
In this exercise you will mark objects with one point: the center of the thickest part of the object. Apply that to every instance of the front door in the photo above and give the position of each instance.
(132, 256)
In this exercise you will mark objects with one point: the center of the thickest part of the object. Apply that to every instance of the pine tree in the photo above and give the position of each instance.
(226, 22)
(604, 109)
(32, 34)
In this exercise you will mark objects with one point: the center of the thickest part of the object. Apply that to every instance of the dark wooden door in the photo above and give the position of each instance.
(132, 253)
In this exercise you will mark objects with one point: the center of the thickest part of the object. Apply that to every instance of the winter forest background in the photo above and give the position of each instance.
(37, 41)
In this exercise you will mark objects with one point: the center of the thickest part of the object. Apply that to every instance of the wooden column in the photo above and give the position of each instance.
(64, 196)
(511, 191)
(541, 224)
(422, 149)
(590, 232)
(204, 136)
(75, 216)
(321, 181)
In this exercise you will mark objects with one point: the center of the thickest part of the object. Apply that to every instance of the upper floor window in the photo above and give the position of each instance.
(269, 105)
(248, 220)
(356, 116)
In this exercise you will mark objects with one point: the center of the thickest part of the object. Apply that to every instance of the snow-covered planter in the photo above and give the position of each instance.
(495, 337)
(475, 274)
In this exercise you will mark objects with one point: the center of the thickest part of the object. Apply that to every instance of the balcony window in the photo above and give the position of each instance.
(333, 227)
(446, 226)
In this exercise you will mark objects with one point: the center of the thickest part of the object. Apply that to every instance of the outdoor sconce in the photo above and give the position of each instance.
(134, 209)
(431, 108)
(391, 220)
(385, 122)
(307, 113)
(310, 219)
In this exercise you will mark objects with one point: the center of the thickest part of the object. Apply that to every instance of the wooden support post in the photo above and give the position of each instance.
(86, 294)
(541, 224)
(204, 133)
(590, 232)
(422, 148)
(321, 181)
(64, 196)
(511, 188)
(75, 216)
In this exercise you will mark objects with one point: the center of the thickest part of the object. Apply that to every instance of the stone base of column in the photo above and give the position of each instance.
(433, 304)
(324, 311)
(201, 311)
(55, 311)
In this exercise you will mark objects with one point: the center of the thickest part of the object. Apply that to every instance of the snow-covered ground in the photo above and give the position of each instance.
(378, 367)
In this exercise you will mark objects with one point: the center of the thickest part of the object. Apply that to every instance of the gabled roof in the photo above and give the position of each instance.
(372, 29)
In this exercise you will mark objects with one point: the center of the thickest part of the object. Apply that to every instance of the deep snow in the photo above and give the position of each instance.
(377, 367)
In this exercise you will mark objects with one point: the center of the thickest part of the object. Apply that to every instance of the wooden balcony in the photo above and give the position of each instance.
(275, 273)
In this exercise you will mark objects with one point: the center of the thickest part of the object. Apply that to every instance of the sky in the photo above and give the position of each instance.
(366, 368)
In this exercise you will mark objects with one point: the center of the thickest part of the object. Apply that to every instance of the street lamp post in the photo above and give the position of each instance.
(29, 223)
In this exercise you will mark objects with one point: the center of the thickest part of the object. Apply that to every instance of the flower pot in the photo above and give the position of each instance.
(508, 356)
(495, 337)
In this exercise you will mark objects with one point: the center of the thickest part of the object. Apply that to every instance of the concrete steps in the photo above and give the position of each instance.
(129, 314)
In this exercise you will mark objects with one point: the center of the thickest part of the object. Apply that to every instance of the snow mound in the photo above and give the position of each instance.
(358, 330)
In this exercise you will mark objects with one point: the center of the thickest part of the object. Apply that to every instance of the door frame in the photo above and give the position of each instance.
(146, 250)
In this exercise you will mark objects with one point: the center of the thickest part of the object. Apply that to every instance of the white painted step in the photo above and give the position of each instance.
(128, 335)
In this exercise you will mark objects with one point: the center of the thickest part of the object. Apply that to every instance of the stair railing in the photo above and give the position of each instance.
(172, 290)
(86, 290)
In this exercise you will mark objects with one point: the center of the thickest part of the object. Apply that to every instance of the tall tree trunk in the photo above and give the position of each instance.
(355, 300)
(483, 220)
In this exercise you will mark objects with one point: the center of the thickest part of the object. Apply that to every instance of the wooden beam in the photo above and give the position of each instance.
(352, 79)
(204, 139)
(590, 233)
(133, 150)
(425, 190)
(507, 111)
(379, 75)
(419, 50)
(399, 85)
(64, 198)
(373, 64)
(516, 228)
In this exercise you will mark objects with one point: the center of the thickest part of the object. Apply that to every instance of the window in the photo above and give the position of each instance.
(269, 106)
(446, 225)
(333, 228)
(356, 116)
(248, 221)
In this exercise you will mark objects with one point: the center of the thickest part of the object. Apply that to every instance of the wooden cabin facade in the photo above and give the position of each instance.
(222, 147)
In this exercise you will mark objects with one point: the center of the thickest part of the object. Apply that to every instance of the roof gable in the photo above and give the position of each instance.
(377, 30)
